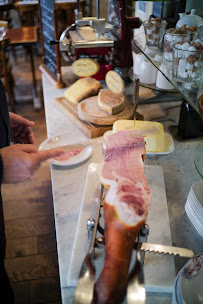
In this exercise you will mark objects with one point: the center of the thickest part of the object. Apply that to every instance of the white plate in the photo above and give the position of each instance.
(168, 143)
(62, 140)
(188, 286)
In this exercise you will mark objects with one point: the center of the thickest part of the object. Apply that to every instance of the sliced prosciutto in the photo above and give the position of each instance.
(68, 154)
(125, 211)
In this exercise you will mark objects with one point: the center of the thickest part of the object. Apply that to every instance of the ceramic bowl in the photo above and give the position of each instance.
(137, 60)
(147, 72)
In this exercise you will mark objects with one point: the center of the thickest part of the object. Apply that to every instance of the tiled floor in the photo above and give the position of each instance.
(31, 259)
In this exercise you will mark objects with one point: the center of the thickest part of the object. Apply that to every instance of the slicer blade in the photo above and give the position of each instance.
(163, 249)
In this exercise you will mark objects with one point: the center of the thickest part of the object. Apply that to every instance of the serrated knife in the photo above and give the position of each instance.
(163, 249)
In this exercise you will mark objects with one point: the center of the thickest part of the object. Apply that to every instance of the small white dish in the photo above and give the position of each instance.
(168, 143)
(197, 190)
(137, 60)
(194, 206)
(62, 140)
(194, 211)
(147, 72)
(162, 82)
(194, 220)
(188, 284)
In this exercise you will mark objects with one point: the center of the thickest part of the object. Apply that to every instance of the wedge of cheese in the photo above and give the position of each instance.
(110, 102)
(81, 89)
(153, 132)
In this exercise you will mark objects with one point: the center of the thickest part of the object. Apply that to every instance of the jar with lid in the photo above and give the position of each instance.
(189, 20)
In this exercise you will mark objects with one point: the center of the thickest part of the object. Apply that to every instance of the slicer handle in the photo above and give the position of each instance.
(144, 232)
(98, 9)
(78, 5)
(90, 227)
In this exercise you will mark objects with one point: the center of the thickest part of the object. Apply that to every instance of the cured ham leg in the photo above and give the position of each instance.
(125, 211)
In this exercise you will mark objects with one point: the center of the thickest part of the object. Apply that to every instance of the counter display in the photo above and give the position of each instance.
(68, 183)
(190, 91)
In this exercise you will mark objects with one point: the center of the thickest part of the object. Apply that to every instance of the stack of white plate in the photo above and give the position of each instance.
(188, 284)
(194, 206)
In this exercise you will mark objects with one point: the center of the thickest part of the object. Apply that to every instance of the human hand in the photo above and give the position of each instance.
(20, 161)
(21, 131)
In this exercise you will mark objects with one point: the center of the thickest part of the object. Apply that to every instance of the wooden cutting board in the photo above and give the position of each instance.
(70, 110)
(91, 129)
(88, 110)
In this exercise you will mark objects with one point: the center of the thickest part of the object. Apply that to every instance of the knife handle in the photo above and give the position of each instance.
(136, 92)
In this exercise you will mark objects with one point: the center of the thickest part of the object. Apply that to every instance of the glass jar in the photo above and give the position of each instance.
(169, 40)
(187, 64)
(154, 32)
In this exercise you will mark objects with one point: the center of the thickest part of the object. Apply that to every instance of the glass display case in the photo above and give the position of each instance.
(190, 91)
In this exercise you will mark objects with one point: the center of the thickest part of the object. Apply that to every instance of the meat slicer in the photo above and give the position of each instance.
(109, 43)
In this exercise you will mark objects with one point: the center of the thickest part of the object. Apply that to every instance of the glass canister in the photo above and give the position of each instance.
(187, 61)
(154, 31)
(169, 39)
(192, 29)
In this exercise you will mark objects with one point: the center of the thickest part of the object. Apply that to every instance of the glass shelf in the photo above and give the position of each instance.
(153, 86)
(198, 158)
(189, 91)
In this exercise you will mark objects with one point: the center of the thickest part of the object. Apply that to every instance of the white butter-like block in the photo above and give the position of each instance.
(152, 131)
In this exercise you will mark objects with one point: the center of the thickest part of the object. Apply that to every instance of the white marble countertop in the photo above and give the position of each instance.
(68, 183)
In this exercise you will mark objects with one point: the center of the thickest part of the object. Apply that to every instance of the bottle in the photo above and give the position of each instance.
(189, 122)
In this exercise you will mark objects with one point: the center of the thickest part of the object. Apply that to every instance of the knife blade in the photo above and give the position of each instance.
(136, 97)
(163, 249)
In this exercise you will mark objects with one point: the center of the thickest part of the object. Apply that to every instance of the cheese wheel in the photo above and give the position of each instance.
(110, 102)
(114, 82)
(85, 67)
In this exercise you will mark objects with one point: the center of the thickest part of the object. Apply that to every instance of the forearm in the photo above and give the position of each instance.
(1, 170)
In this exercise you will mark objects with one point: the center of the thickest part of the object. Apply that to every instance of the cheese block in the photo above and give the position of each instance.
(81, 89)
(153, 132)
(110, 102)
(85, 67)
(114, 82)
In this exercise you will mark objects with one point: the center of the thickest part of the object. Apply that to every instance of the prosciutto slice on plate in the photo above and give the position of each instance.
(125, 211)
(68, 154)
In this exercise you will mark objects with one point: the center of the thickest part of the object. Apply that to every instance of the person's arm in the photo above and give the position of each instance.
(1, 170)
(20, 161)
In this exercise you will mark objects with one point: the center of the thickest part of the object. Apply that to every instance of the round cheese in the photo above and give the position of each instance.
(114, 82)
(85, 67)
